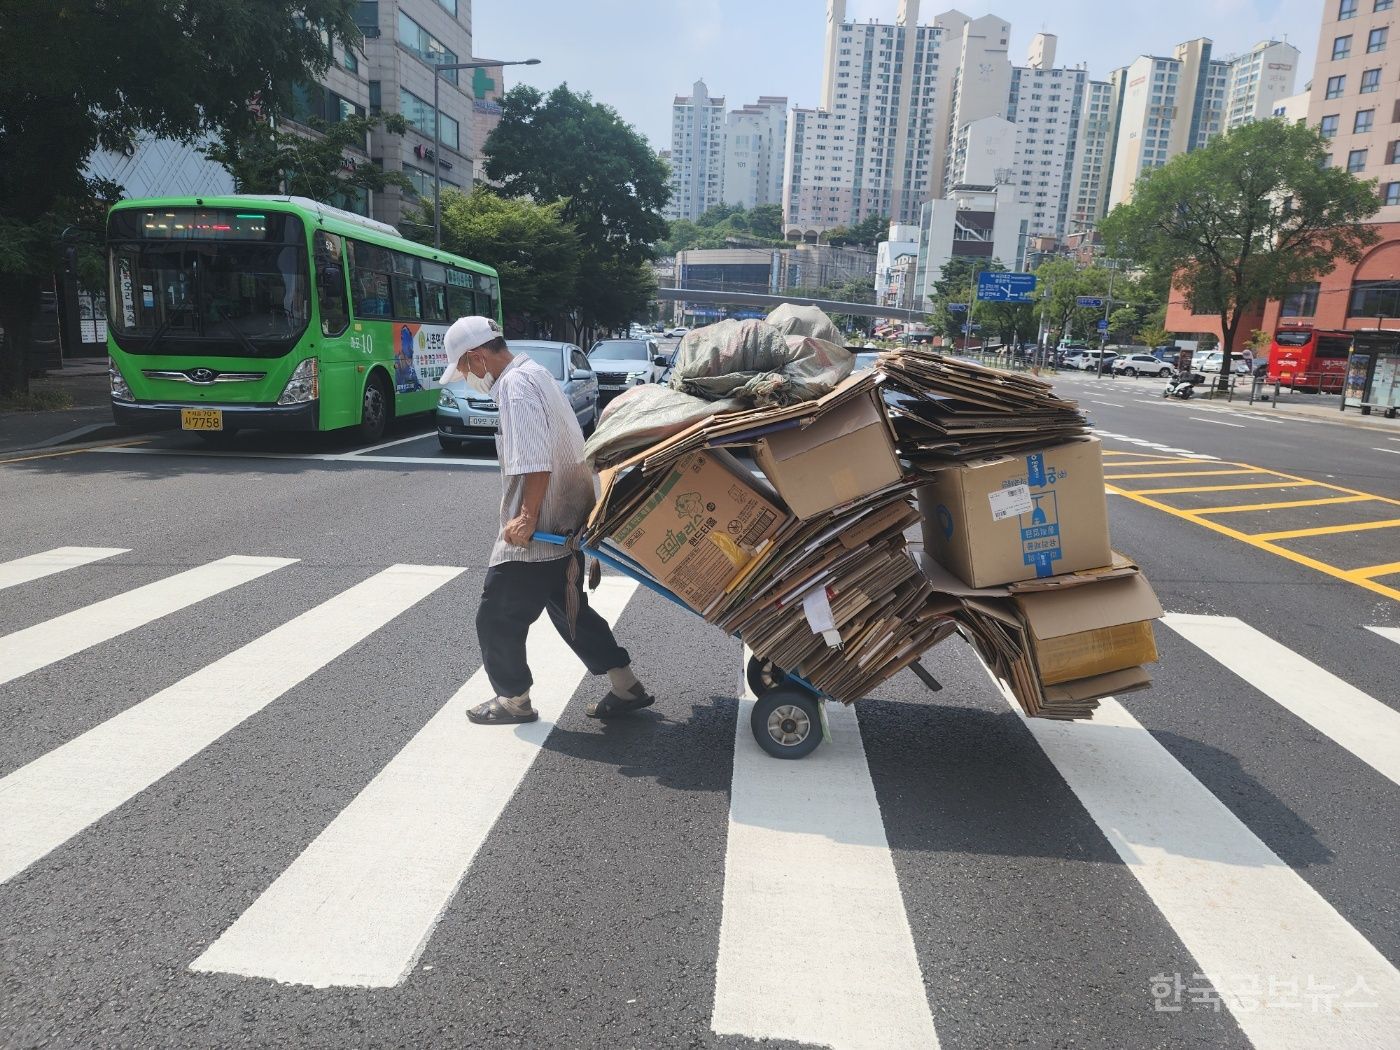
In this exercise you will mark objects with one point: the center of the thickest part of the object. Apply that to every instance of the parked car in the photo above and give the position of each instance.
(1090, 361)
(464, 415)
(624, 363)
(1211, 362)
(677, 332)
(1071, 358)
(1141, 364)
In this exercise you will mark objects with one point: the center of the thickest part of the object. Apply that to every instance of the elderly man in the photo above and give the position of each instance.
(546, 487)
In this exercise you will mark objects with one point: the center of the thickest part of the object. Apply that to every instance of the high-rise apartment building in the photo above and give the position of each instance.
(755, 139)
(980, 82)
(1355, 99)
(1257, 80)
(697, 153)
(1046, 104)
(875, 145)
(1166, 106)
(1093, 159)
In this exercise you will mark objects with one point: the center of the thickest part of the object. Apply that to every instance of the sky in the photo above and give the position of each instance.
(637, 55)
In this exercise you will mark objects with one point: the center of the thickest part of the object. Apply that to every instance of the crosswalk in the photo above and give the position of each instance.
(818, 939)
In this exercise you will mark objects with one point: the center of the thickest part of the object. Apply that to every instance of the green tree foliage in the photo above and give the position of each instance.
(766, 221)
(723, 226)
(82, 75)
(867, 233)
(565, 147)
(263, 160)
(535, 250)
(1243, 219)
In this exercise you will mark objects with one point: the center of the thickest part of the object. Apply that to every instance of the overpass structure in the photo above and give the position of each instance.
(831, 306)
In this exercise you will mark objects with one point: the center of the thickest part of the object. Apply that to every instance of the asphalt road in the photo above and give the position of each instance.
(241, 810)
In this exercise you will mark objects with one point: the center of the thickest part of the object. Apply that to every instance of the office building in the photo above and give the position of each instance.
(755, 138)
(976, 222)
(404, 39)
(902, 243)
(697, 153)
(1257, 80)
(876, 144)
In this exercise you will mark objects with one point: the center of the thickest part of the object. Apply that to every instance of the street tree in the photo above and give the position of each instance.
(766, 220)
(1243, 219)
(82, 76)
(262, 159)
(534, 249)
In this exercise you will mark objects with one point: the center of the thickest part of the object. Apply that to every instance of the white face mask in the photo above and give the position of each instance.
(481, 384)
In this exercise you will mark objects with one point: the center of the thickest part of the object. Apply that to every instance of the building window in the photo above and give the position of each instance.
(1376, 41)
(1301, 301)
(1392, 193)
(1335, 86)
(374, 96)
(1370, 81)
(1362, 124)
(420, 115)
(1328, 127)
(1392, 152)
(1356, 161)
(1384, 5)
(1341, 48)
(427, 47)
(450, 6)
(1346, 9)
(1374, 299)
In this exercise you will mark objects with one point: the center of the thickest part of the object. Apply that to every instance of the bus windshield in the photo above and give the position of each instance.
(208, 287)
(1295, 337)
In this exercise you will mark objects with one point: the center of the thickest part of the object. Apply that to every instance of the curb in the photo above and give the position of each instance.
(1356, 422)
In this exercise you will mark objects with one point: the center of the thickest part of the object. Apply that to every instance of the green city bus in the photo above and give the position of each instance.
(277, 313)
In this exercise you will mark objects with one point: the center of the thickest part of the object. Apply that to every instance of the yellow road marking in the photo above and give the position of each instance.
(1369, 571)
(1177, 474)
(1281, 506)
(1348, 576)
(1325, 530)
(72, 451)
(1225, 488)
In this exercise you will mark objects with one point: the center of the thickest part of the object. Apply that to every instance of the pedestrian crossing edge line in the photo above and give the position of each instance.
(1264, 545)
(47, 563)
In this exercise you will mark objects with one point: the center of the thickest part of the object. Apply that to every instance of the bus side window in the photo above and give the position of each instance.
(330, 284)
(434, 302)
(459, 303)
(408, 299)
(369, 286)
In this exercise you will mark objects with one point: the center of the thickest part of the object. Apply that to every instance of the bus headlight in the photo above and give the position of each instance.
(120, 391)
(303, 386)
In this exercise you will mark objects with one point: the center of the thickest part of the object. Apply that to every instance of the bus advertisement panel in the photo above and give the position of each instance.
(1309, 358)
(277, 313)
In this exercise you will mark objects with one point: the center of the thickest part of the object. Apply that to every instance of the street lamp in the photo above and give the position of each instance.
(438, 70)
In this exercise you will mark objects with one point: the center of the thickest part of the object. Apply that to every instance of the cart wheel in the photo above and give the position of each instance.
(764, 676)
(786, 722)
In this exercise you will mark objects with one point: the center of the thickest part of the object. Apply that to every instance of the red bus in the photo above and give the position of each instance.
(1309, 358)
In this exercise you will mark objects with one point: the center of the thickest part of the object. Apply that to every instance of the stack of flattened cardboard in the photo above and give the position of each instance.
(946, 410)
(1060, 644)
(813, 573)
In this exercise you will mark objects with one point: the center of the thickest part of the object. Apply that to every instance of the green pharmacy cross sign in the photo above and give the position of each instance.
(481, 83)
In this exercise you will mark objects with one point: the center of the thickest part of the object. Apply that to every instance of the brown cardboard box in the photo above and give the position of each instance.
(1082, 632)
(1007, 518)
(699, 526)
(845, 453)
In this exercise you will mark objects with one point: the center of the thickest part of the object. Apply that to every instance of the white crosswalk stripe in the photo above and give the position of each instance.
(1393, 633)
(1254, 925)
(358, 906)
(48, 801)
(810, 831)
(38, 646)
(1363, 725)
(37, 566)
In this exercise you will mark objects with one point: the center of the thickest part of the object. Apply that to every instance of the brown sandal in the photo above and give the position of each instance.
(498, 711)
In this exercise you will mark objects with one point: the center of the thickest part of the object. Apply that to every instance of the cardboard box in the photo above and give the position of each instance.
(845, 453)
(1083, 632)
(699, 526)
(1007, 518)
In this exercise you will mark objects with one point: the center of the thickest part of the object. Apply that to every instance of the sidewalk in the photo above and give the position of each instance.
(89, 418)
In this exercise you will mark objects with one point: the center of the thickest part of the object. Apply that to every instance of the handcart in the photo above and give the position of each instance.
(789, 715)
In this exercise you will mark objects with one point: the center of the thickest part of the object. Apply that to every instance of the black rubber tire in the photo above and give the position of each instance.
(376, 408)
(796, 722)
(449, 445)
(1165, 373)
(1130, 372)
(763, 676)
(1185, 395)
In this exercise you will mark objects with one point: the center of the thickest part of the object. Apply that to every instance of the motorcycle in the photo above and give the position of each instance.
(1183, 385)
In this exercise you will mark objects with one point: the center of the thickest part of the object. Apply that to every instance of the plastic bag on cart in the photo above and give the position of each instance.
(756, 361)
(644, 415)
(805, 321)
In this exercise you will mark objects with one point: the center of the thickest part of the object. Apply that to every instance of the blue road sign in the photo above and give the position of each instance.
(999, 287)
(1103, 325)
(1088, 300)
(957, 308)
(969, 328)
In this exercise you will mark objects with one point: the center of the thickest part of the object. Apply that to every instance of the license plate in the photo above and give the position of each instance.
(484, 423)
(201, 419)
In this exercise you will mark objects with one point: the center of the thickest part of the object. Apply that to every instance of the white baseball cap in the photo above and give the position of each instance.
(466, 333)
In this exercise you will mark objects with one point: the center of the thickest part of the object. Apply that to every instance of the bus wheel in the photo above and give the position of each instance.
(374, 409)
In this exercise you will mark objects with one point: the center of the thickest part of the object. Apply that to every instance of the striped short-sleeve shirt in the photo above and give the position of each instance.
(539, 433)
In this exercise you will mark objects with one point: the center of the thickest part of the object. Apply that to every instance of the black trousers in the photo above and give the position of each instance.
(515, 594)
